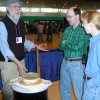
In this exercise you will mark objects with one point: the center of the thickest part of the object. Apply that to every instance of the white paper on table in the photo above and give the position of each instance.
(16, 86)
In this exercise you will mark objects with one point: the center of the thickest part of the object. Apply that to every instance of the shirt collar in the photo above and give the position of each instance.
(94, 38)
(15, 21)
(79, 25)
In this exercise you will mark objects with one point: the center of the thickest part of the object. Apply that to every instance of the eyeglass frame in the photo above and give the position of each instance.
(69, 17)
(16, 6)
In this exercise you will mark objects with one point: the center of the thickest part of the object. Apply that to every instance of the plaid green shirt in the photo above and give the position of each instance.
(74, 42)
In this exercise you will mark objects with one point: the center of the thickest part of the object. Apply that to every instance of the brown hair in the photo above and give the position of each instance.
(92, 16)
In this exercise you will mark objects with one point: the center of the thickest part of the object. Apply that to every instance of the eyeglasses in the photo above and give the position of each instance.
(15, 6)
(69, 17)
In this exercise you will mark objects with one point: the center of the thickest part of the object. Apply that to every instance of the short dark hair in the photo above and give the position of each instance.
(77, 11)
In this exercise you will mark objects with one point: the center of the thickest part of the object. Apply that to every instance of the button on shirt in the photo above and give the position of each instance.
(93, 63)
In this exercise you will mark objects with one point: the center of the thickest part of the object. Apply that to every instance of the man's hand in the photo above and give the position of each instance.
(21, 69)
(42, 47)
(20, 66)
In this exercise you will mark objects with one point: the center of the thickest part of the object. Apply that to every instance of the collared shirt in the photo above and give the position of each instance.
(4, 47)
(74, 42)
(93, 63)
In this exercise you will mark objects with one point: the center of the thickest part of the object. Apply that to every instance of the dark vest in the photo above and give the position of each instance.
(13, 32)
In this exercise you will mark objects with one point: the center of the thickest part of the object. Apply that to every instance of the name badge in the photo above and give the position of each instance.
(18, 40)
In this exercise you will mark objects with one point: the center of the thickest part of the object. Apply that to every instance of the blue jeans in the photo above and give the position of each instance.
(91, 93)
(71, 71)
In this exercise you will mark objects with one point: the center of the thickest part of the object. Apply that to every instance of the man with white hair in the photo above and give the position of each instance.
(12, 43)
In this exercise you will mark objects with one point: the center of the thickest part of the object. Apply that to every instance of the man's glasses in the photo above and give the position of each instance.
(15, 6)
(69, 17)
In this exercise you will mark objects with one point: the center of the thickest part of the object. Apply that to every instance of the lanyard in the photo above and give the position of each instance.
(17, 30)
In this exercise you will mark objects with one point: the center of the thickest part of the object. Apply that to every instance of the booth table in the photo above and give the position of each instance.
(50, 63)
